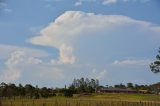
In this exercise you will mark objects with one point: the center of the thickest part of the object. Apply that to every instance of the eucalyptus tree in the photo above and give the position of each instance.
(155, 66)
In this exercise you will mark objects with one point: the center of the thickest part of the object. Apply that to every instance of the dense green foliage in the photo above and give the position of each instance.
(11, 90)
(68, 93)
(84, 85)
(78, 86)
(155, 66)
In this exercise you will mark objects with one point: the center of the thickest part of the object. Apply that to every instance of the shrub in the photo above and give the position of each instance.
(68, 93)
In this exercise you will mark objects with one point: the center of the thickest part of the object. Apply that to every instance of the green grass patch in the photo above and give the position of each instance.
(89, 100)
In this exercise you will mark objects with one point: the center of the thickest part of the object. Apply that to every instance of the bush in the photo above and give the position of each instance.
(68, 93)
(54, 94)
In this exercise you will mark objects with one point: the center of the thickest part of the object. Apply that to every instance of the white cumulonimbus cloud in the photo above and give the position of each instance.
(96, 39)
(85, 41)
(72, 27)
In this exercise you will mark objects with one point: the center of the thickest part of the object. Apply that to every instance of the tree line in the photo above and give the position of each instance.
(78, 86)
(11, 90)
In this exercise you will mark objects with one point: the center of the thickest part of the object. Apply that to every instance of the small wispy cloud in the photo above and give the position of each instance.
(107, 2)
(35, 29)
(52, 0)
(98, 74)
(7, 10)
(78, 3)
(132, 62)
(4, 7)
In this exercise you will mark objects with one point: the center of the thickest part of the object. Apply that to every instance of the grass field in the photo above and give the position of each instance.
(93, 100)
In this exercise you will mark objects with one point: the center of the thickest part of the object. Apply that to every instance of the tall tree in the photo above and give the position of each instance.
(155, 66)
(129, 85)
(29, 90)
(84, 85)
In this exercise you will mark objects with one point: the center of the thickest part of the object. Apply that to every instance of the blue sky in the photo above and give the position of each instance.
(50, 42)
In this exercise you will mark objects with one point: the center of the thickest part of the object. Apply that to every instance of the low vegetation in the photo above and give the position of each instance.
(88, 100)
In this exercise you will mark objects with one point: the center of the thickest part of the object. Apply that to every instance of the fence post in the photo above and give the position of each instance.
(56, 102)
(22, 103)
(89, 103)
(33, 103)
(0, 102)
(43, 104)
(111, 103)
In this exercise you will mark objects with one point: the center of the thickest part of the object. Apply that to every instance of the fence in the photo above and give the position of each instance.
(71, 102)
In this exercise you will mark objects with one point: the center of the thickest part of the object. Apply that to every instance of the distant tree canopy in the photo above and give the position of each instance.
(155, 66)
(84, 85)
(78, 86)
(11, 90)
(120, 86)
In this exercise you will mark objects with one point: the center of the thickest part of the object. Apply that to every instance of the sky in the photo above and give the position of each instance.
(51, 42)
